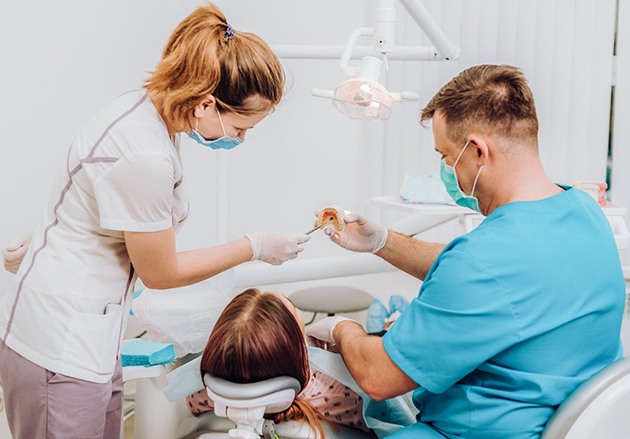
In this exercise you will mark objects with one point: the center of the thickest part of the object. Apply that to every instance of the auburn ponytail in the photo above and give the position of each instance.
(301, 410)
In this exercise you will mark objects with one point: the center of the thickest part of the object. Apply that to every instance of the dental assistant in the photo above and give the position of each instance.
(511, 317)
(112, 218)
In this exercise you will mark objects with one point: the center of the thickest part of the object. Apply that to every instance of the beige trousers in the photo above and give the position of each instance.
(47, 405)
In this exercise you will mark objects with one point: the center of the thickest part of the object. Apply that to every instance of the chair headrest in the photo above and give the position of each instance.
(275, 393)
(233, 390)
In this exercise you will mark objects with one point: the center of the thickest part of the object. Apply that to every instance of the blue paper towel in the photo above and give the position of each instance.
(138, 352)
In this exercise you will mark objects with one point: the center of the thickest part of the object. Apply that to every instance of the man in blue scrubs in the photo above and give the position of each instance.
(512, 317)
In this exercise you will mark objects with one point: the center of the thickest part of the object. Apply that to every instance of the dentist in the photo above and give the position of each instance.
(112, 218)
(511, 317)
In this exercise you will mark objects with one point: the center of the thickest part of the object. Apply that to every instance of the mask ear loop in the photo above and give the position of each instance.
(460, 154)
(475, 182)
(221, 122)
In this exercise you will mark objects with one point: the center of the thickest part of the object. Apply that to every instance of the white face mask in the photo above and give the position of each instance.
(224, 142)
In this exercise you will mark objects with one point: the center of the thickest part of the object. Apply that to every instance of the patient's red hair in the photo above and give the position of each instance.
(256, 338)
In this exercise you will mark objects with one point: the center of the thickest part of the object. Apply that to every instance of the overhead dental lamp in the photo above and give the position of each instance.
(363, 96)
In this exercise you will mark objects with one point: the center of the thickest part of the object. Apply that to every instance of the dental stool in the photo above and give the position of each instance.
(599, 408)
(239, 411)
(331, 300)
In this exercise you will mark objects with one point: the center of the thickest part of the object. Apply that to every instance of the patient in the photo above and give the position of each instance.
(260, 335)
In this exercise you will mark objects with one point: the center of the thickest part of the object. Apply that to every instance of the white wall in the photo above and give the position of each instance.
(61, 61)
(620, 127)
(565, 49)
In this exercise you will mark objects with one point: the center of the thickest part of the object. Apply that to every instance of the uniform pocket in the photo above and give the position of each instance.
(92, 341)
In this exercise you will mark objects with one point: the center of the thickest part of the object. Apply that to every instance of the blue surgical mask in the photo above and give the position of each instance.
(449, 178)
(225, 142)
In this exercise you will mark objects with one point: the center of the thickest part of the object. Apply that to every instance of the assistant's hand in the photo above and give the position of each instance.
(14, 252)
(276, 248)
(361, 234)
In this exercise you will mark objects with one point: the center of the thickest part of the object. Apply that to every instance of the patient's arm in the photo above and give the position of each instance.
(199, 403)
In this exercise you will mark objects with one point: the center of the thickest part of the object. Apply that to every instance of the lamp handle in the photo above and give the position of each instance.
(320, 93)
(405, 96)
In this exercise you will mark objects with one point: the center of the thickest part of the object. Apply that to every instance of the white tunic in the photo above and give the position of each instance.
(73, 291)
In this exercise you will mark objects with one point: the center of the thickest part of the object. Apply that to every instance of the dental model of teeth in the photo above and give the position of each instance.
(332, 215)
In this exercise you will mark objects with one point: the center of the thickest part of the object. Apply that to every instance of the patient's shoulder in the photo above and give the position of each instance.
(335, 401)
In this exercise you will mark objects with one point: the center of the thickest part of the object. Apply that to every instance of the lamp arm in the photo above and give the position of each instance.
(347, 53)
(399, 53)
(423, 19)
(385, 26)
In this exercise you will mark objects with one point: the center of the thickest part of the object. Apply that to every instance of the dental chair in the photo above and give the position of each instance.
(239, 411)
(599, 408)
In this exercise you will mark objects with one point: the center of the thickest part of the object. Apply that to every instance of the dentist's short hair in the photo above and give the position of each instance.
(206, 56)
(494, 99)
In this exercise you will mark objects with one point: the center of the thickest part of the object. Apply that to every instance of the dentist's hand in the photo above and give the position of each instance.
(14, 252)
(361, 234)
(323, 329)
(275, 248)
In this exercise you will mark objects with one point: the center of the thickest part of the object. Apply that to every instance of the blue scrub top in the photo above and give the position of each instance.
(512, 317)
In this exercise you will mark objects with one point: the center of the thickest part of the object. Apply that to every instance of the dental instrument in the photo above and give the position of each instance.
(318, 227)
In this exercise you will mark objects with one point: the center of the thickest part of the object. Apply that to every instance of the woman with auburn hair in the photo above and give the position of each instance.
(260, 335)
(112, 219)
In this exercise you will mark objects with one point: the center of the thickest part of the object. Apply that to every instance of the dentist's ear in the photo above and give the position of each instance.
(205, 105)
(482, 146)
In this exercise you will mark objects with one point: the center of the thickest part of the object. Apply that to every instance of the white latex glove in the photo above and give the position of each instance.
(323, 329)
(275, 248)
(361, 234)
(14, 252)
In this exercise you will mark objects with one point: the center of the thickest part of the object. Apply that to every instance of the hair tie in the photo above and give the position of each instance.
(230, 33)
